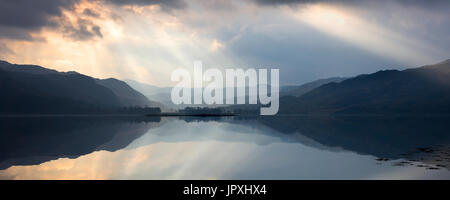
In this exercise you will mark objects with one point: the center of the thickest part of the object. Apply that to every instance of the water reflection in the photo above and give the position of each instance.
(225, 148)
(33, 140)
(424, 139)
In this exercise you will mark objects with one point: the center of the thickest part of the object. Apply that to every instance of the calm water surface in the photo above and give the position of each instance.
(224, 148)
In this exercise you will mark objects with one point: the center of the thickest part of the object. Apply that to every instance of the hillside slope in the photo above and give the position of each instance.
(420, 90)
(31, 89)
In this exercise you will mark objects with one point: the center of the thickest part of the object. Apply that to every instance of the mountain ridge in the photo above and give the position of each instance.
(424, 89)
(38, 90)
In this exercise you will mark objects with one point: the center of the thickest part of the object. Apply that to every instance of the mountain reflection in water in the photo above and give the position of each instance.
(278, 147)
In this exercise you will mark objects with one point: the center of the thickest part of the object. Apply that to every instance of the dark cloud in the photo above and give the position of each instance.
(280, 2)
(421, 3)
(82, 29)
(19, 18)
(30, 14)
(165, 4)
(90, 13)
(15, 33)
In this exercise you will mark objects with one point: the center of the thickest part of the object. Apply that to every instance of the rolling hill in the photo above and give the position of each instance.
(31, 89)
(424, 90)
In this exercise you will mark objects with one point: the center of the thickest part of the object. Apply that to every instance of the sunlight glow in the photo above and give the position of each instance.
(365, 34)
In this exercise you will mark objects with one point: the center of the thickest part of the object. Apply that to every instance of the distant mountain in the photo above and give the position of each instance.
(159, 94)
(147, 89)
(33, 89)
(127, 95)
(163, 94)
(302, 89)
(420, 90)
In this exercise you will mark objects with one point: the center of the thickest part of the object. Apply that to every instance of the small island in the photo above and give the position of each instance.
(195, 112)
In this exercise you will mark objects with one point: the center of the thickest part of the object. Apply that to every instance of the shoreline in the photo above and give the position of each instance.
(189, 115)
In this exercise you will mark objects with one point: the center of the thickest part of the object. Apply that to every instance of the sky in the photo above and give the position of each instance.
(145, 40)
